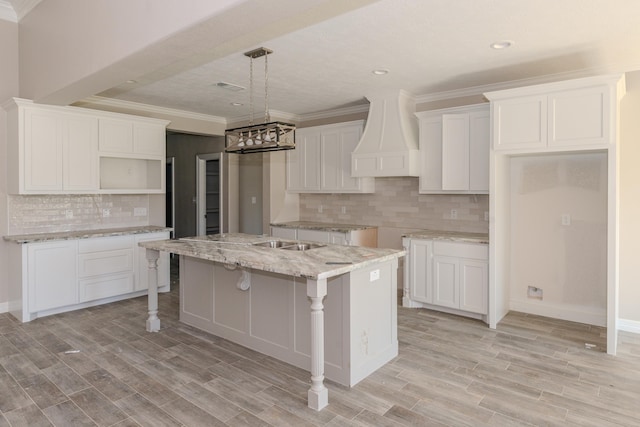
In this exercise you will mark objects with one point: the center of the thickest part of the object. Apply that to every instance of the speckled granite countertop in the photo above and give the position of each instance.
(83, 234)
(454, 236)
(322, 226)
(239, 249)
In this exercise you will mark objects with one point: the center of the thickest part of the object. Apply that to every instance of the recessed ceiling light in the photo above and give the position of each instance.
(131, 81)
(380, 71)
(237, 104)
(503, 44)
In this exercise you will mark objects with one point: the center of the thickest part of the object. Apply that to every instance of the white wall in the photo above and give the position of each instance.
(567, 261)
(629, 309)
(8, 88)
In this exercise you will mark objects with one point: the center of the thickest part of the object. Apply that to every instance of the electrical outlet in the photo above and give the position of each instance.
(374, 275)
(454, 214)
(533, 292)
(343, 209)
(139, 211)
(68, 214)
(253, 200)
(106, 213)
(486, 216)
(566, 219)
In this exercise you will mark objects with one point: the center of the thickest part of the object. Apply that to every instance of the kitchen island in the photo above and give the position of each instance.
(274, 300)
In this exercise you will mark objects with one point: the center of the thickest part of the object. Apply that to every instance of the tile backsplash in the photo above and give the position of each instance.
(397, 204)
(53, 213)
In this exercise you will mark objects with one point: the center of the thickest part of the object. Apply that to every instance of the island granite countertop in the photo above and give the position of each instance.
(237, 249)
(322, 226)
(83, 234)
(454, 236)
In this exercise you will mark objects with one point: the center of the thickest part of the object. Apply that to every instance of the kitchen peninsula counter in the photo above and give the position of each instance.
(274, 300)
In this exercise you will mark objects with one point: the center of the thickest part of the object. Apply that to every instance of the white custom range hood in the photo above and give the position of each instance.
(389, 143)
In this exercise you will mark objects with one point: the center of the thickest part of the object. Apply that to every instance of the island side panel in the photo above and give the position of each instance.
(374, 319)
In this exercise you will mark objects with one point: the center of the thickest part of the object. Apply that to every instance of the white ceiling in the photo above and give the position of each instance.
(432, 49)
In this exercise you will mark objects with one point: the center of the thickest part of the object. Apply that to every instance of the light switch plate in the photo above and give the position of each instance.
(139, 211)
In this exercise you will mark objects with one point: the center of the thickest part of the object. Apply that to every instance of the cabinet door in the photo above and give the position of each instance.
(80, 153)
(309, 158)
(336, 238)
(520, 123)
(116, 136)
(479, 146)
(579, 117)
(42, 151)
(52, 279)
(314, 235)
(420, 271)
(349, 139)
(446, 281)
(284, 233)
(455, 152)
(303, 163)
(430, 154)
(330, 161)
(474, 290)
(149, 139)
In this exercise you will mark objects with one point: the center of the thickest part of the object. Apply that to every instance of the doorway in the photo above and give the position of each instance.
(170, 202)
(210, 194)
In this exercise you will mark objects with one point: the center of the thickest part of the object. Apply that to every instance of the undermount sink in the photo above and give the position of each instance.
(302, 246)
(288, 245)
(273, 244)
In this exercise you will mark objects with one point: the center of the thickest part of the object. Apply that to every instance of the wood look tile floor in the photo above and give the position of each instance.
(99, 366)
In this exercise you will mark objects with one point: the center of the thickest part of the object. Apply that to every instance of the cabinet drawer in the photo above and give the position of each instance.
(104, 287)
(461, 250)
(106, 262)
(105, 244)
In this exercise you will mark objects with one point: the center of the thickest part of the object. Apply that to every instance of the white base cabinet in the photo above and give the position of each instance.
(53, 277)
(447, 276)
(365, 237)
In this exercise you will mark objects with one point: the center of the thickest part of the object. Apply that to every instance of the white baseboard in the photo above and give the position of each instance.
(571, 313)
(632, 326)
(4, 307)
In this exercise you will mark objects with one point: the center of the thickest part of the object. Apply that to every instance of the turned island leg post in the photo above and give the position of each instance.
(318, 394)
(153, 322)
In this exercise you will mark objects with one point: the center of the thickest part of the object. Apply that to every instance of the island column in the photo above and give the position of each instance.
(318, 394)
(153, 322)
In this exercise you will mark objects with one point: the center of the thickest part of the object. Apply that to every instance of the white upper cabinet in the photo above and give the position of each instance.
(51, 151)
(62, 150)
(454, 150)
(571, 115)
(321, 161)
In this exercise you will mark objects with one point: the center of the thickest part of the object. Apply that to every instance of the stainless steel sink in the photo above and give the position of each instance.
(302, 246)
(273, 244)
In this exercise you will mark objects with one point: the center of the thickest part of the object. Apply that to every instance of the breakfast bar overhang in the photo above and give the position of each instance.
(255, 290)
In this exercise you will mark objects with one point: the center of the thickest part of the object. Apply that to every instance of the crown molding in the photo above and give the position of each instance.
(356, 109)
(100, 101)
(6, 12)
(23, 7)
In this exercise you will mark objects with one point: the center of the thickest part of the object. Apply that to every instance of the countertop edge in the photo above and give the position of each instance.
(84, 234)
(311, 225)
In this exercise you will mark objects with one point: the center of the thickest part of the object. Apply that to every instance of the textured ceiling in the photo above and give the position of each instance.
(428, 46)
